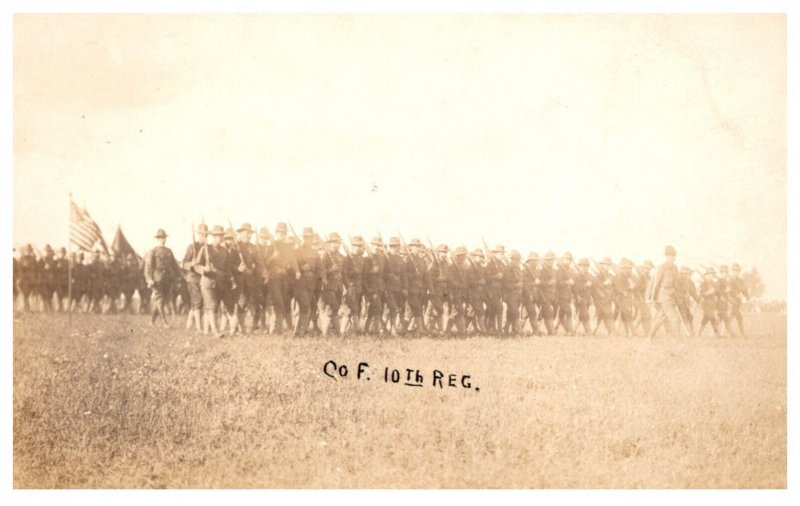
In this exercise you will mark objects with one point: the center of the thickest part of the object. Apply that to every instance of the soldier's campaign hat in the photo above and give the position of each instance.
(567, 256)
(246, 227)
(515, 255)
(460, 251)
(549, 256)
(442, 248)
(202, 228)
(264, 232)
(229, 233)
(710, 271)
(48, 248)
(217, 230)
(63, 250)
(357, 240)
(583, 261)
(308, 232)
(533, 257)
(734, 267)
(723, 268)
(606, 261)
(415, 242)
(161, 234)
(477, 253)
(626, 264)
(685, 270)
(670, 251)
(499, 249)
(376, 241)
(394, 241)
(281, 227)
(334, 237)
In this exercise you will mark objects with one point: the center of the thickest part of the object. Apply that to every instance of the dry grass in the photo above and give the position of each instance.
(114, 404)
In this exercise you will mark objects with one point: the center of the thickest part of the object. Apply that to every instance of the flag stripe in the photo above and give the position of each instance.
(84, 232)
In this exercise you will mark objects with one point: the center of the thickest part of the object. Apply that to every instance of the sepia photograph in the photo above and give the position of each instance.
(399, 250)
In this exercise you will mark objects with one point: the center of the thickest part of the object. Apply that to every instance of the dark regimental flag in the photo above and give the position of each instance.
(121, 246)
(83, 231)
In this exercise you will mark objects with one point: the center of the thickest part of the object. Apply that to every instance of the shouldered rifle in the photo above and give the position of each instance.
(408, 252)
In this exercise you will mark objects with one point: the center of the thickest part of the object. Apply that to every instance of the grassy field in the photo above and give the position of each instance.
(112, 403)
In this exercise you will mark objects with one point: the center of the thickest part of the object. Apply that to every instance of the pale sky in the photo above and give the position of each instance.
(604, 135)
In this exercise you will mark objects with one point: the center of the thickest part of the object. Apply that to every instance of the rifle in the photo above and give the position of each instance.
(236, 243)
(194, 247)
(433, 252)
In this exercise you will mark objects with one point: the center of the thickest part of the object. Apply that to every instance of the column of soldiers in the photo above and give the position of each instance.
(281, 283)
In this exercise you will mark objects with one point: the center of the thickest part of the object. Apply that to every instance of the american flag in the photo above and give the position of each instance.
(83, 231)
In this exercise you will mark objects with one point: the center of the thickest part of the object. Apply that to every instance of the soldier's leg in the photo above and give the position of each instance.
(645, 316)
(740, 322)
(210, 302)
(303, 299)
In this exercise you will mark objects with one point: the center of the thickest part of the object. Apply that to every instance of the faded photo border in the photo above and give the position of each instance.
(11, 496)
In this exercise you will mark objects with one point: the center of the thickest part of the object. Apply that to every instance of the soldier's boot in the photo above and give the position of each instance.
(715, 327)
(628, 330)
(163, 317)
(548, 324)
(233, 323)
(189, 319)
(461, 328)
(610, 327)
(301, 328)
(153, 316)
(212, 323)
(740, 323)
(568, 326)
(335, 325)
(515, 327)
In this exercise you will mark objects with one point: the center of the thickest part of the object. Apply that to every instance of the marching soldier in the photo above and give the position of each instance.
(547, 287)
(603, 295)
(512, 292)
(130, 281)
(28, 274)
(738, 292)
(686, 292)
(94, 271)
(625, 286)
(642, 308)
(160, 272)
(663, 295)
(530, 291)
(354, 275)
(564, 284)
(250, 270)
(583, 295)
(493, 273)
(214, 266)
(416, 274)
(396, 286)
(456, 291)
(476, 292)
(229, 288)
(375, 285)
(192, 277)
(708, 302)
(47, 278)
(62, 278)
(723, 300)
(304, 287)
(332, 283)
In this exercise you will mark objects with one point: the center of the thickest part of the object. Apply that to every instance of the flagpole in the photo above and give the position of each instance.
(69, 262)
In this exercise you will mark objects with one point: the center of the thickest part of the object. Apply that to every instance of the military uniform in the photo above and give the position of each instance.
(396, 286)
(625, 288)
(250, 270)
(603, 295)
(708, 302)
(332, 284)
(437, 289)
(738, 292)
(512, 293)
(160, 272)
(686, 292)
(584, 283)
(476, 292)
(416, 277)
(375, 284)
(547, 287)
(663, 294)
(642, 289)
(47, 278)
(724, 300)
(564, 284)
(192, 278)
(354, 275)
(304, 287)
(28, 273)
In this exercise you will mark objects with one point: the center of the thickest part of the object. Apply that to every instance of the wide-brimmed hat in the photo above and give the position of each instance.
(246, 227)
(161, 234)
